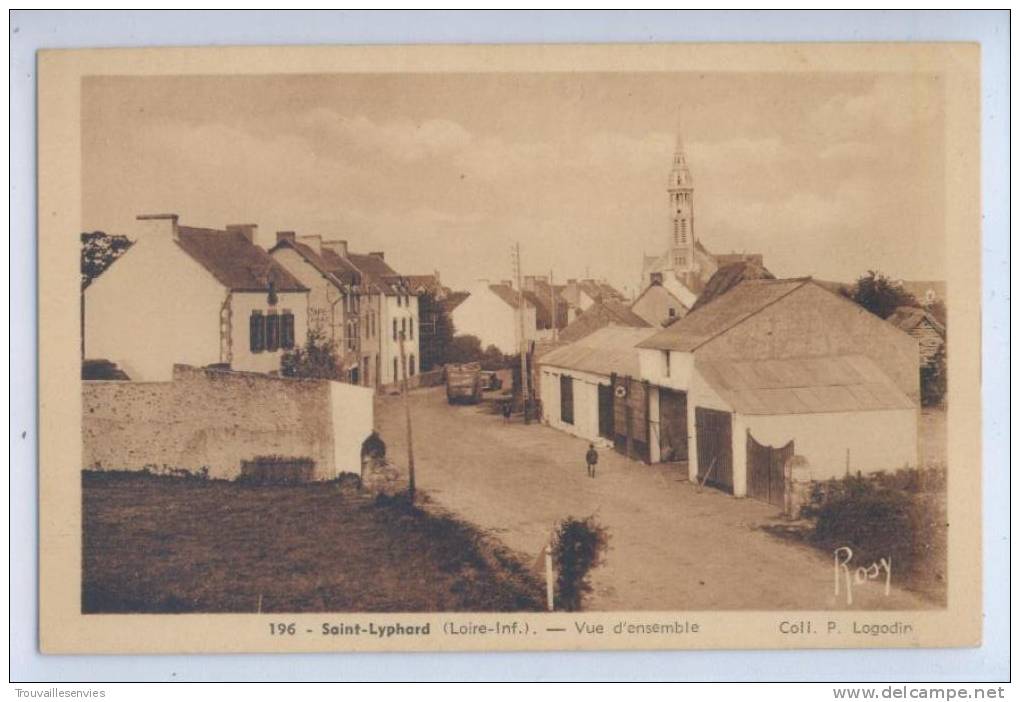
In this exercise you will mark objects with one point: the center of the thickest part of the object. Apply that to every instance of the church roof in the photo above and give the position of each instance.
(727, 278)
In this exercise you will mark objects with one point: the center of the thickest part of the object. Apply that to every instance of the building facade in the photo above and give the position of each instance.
(196, 296)
(490, 312)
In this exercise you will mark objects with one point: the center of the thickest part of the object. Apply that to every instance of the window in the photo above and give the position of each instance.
(410, 326)
(396, 371)
(672, 312)
(403, 328)
(272, 332)
(665, 356)
(256, 332)
(364, 362)
(394, 330)
(566, 399)
(410, 365)
(287, 329)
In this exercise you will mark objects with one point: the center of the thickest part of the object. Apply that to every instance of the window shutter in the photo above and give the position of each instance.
(256, 332)
(272, 332)
(288, 330)
(394, 330)
(410, 365)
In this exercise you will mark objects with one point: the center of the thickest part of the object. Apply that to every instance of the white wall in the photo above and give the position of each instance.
(877, 440)
(487, 316)
(155, 306)
(241, 306)
(390, 348)
(586, 401)
(352, 409)
(652, 364)
(881, 440)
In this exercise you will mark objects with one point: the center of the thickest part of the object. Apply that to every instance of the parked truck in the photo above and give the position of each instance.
(464, 382)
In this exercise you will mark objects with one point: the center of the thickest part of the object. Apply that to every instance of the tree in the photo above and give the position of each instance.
(98, 252)
(578, 546)
(318, 358)
(436, 331)
(937, 309)
(880, 295)
(933, 379)
(464, 348)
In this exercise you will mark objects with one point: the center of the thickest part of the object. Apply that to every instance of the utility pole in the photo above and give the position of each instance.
(552, 306)
(525, 400)
(407, 414)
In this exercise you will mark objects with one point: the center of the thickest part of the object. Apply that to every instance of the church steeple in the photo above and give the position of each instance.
(681, 204)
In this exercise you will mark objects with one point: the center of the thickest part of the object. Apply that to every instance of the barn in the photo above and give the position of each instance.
(590, 389)
(776, 368)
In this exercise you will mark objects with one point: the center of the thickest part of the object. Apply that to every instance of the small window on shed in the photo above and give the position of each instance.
(256, 332)
(672, 312)
(566, 399)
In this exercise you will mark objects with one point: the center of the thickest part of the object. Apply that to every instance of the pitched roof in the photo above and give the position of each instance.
(727, 278)
(330, 264)
(722, 314)
(612, 349)
(378, 274)
(427, 283)
(907, 318)
(451, 301)
(598, 315)
(235, 261)
(848, 383)
(597, 289)
(509, 296)
(667, 297)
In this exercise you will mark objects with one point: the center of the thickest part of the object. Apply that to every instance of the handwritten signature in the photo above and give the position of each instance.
(847, 577)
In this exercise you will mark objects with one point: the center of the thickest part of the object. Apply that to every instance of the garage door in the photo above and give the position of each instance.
(715, 447)
(672, 425)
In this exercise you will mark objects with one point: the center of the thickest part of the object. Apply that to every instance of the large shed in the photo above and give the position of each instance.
(775, 368)
(590, 388)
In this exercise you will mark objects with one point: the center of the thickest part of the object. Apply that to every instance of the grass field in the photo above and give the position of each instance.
(159, 544)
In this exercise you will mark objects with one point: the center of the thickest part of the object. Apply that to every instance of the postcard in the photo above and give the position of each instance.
(429, 348)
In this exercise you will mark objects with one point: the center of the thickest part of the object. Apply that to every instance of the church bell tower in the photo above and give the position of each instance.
(681, 204)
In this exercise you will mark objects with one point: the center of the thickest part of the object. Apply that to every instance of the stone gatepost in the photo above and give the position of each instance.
(797, 473)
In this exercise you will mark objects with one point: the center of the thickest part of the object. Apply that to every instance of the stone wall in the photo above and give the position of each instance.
(215, 419)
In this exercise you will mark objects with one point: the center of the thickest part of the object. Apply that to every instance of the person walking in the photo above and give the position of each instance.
(592, 459)
(507, 409)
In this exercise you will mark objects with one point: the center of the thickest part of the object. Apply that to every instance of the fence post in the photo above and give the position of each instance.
(550, 605)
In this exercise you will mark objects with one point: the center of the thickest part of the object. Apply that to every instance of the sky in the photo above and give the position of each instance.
(827, 174)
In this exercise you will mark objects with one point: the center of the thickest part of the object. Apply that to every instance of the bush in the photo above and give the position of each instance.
(878, 517)
(578, 546)
(318, 358)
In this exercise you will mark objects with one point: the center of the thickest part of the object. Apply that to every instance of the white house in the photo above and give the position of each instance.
(193, 296)
(392, 312)
(490, 313)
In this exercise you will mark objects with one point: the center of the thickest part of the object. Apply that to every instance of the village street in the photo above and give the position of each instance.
(671, 547)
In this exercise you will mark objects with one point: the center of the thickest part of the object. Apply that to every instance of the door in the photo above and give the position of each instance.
(606, 411)
(715, 447)
(672, 425)
(766, 465)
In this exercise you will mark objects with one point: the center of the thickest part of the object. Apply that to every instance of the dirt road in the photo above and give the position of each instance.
(671, 546)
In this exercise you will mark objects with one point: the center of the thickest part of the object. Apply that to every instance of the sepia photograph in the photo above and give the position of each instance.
(415, 356)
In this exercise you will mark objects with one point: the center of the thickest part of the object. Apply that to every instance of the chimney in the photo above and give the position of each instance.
(285, 236)
(247, 229)
(312, 241)
(157, 226)
(378, 254)
(337, 246)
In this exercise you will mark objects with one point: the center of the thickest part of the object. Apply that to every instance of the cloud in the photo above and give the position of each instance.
(403, 140)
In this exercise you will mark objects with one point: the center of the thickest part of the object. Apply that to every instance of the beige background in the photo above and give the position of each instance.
(64, 629)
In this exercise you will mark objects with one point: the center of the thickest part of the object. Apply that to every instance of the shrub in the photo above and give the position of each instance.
(881, 516)
(578, 546)
(933, 380)
(318, 358)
